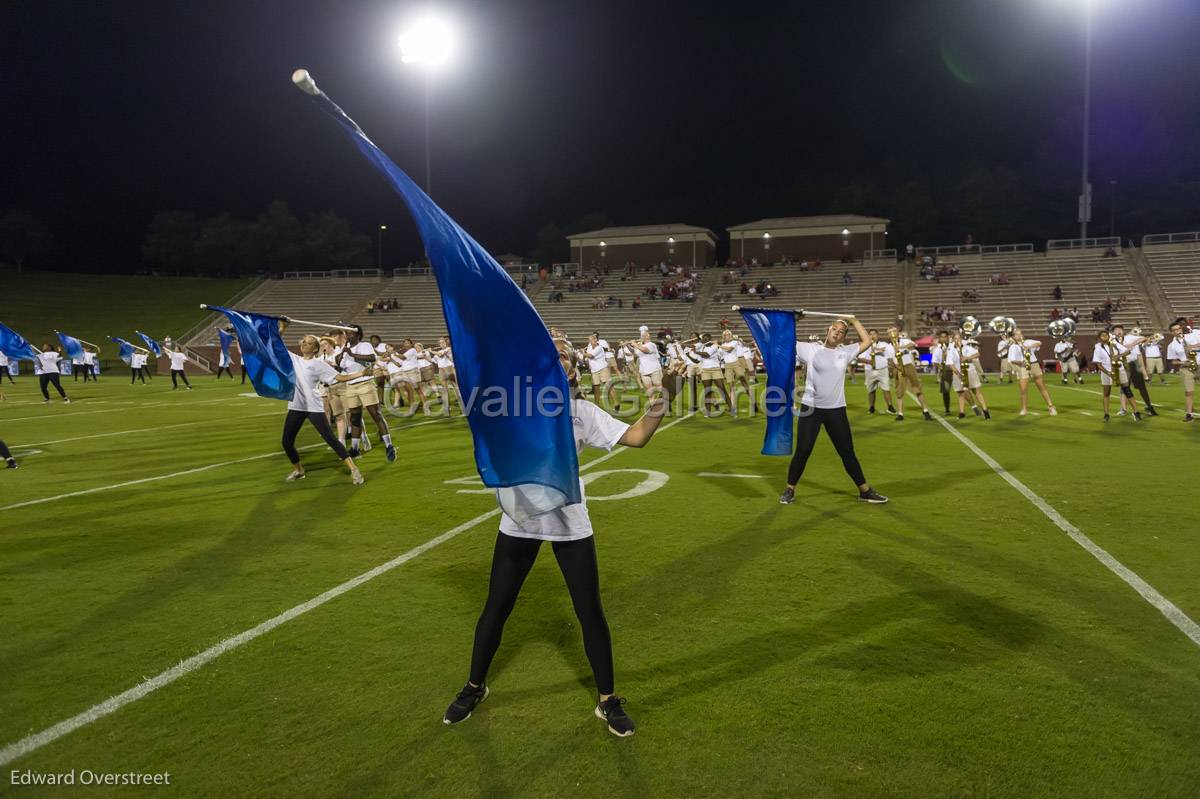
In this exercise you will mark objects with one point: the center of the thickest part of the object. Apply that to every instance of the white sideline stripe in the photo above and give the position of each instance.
(1147, 591)
(728, 474)
(1087, 413)
(111, 705)
(106, 410)
(140, 430)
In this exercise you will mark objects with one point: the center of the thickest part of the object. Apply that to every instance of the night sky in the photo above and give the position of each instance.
(699, 112)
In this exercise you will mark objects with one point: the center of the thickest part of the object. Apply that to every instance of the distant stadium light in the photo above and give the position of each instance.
(429, 41)
(766, 235)
(670, 239)
(845, 231)
(604, 244)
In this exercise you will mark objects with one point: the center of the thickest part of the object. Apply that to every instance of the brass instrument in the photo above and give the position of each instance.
(1003, 325)
(969, 325)
(1189, 357)
(1061, 329)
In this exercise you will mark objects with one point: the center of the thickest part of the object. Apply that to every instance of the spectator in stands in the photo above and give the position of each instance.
(847, 279)
(1058, 292)
(909, 252)
(1111, 252)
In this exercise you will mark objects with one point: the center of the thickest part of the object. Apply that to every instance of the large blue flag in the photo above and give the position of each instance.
(502, 351)
(14, 345)
(264, 355)
(154, 346)
(225, 338)
(71, 345)
(126, 353)
(775, 333)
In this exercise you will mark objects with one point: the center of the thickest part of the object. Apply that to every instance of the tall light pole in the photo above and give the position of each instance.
(1085, 189)
(1112, 208)
(428, 42)
(379, 262)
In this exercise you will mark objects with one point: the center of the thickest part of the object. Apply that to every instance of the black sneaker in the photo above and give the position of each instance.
(1151, 411)
(962, 416)
(391, 454)
(869, 410)
(354, 452)
(987, 414)
(891, 409)
(788, 496)
(619, 723)
(975, 410)
(1106, 417)
(872, 496)
(12, 464)
(899, 417)
(1137, 417)
(1187, 417)
(467, 700)
(928, 416)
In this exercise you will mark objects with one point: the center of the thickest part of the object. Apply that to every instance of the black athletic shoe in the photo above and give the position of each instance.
(788, 496)
(975, 410)
(1137, 417)
(12, 464)
(928, 416)
(1151, 411)
(869, 410)
(354, 452)
(619, 723)
(987, 414)
(872, 496)
(391, 454)
(467, 700)
(899, 417)
(1187, 417)
(962, 416)
(1106, 417)
(891, 409)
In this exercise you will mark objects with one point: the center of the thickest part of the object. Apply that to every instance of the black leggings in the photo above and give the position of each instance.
(243, 374)
(225, 369)
(179, 373)
(1139, 382)
(808, 425)
(83, 368)
(5, 373)
(52, 378)
(4, 453)
(511, 562)
(291, 428)
(134, 374)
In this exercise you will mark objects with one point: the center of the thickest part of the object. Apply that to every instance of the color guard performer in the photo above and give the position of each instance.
(1022, 355)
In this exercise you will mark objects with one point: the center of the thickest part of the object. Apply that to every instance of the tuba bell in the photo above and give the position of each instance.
(1061, 328)
(969, 325)
(1003, 325)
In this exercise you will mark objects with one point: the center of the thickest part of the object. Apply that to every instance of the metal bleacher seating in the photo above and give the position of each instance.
(1087, 279)
(1178, 272)
(872, 294)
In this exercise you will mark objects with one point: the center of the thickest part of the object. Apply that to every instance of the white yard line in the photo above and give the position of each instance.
(1148, 592)
(140, 430)
(727, 474)
(111, 705)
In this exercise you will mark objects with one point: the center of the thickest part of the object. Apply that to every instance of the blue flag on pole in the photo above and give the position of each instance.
(501, 349)
(126, 353)
(775, 333)
(154, 346)
(14, 345)
(225, 338)
(264, 355)
(71, 346)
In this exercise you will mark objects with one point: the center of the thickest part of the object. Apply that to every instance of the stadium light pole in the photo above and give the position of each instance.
(1085, 190)
(429, 42)
(379, 262)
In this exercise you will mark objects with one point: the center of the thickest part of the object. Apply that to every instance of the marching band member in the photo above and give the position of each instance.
(733, 365)
(906, 373)
(1022, 355)
(1067, 354)
(963, 362)
(824, 405)
(649, 365)
(408, 380)
(1002, 348)
(877, 359)
(1152, 352)
(447, 378)
(1134, 365)
(306, 404)
(597, 355)
(1109, 357)
(569, 530)
(361, 394)
(711, 374)
(1184, 354)
(937, 358)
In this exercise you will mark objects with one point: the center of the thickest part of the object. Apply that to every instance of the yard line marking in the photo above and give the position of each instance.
(105, 410)
(140, 430)
(111, 705)
(1087, 413)
(1148, 592)
(728, 474)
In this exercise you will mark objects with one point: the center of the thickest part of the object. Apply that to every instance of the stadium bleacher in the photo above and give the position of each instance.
(1178, 272)
(1087, 279)
(873, 293)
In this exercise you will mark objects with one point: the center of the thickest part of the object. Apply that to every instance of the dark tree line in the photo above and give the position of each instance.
(180, 242)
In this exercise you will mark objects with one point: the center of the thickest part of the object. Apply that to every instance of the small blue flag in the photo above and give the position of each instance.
(71, 346)
(264, 355)
(225, 338)
(154, 346)
(502, 351)
(126, 353)
(775, 333)
(14, 345)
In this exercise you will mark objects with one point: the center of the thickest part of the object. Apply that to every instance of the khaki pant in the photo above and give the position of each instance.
(877, 380)
(911, 377)
(652, 380)
(1154, 366)
(361, 395)
(1070, 366)
(1188, 378)
(734, 370)
(601, 376)
(1029, 372)
(337, 395)
(712, 374)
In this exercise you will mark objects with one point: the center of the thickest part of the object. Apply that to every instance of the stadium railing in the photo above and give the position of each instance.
(1083, 244)
(1005, 249)
(1151, 239)
(949, 249)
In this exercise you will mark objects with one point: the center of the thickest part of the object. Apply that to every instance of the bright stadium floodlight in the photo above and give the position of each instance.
(428, 42)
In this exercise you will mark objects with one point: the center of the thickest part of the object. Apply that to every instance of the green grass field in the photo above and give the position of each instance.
(954, 642)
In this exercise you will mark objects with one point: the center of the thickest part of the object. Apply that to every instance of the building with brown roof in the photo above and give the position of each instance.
(796, 238)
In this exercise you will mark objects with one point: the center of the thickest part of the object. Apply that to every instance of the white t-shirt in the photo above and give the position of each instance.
(825, 386)
(47, 361)
(936, 354)
(1153, 351)
(968, 351)
(412, 360)
(352, 364)
(1003, 347)
(954, 357)
(137, 360)
(675, 352)
(880, 355)
(1101, 356)
(1131, 353)
(593, 428)
(609, 354)
(709, 358)
(648, 362)
(1016, 352)
(3, 360)
(310, 372)
(728, 352)
(597, 358)
(1063, 349)
(906, 355)
(444, 361)
(178, 359)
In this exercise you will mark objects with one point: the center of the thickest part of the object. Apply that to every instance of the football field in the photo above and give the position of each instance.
(1019, 619)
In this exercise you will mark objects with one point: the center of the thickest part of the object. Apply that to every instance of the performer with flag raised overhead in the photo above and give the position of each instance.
(178, 362)
(824, 401)
(307, 404)
(49, 374)
(224, 362)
